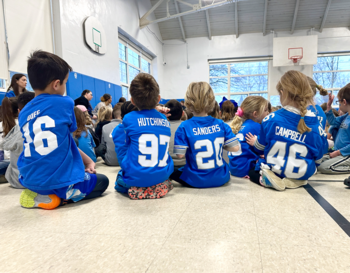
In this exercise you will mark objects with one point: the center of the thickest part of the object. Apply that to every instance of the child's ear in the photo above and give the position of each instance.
(19, 111)
(159, 97)
(132, 101)
(255, 114)
(56, 84)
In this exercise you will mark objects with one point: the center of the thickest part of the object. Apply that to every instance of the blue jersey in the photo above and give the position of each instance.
(119, 137)
(243, 161)
(321, 115)
(87, 145)
(202, 140)
(50, 157)
(10, 94)
(287, 152)
(147, 161)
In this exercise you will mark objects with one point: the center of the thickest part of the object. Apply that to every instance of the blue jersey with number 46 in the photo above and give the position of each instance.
(287, 152)
(50, 158)
(147, 161)
(202, 140)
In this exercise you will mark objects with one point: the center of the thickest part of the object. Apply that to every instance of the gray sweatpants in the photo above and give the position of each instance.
(336, 165)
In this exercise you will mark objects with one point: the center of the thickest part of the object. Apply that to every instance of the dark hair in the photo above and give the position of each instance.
(105, 97)
(144, 91)
(189, 114)
(14, 84)
(228, 111)
(324, 106)
(45, 67)
(127, 107)
(9, 108)
(215, 112)
(24, 98)
(81, 122)
(175, 109)
(117, 110)
(86, 91)
(269, 107)
(344, 93)
(122, 99)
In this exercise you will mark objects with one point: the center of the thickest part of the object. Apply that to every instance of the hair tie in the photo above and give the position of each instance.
(301, 117)
(239, 112)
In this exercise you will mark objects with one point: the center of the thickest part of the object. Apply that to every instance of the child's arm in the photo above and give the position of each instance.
(250, 139)
(89, 164)
(180, 156)
(332, 120)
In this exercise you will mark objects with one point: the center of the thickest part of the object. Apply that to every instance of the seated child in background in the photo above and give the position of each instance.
(291, 139)
(176, 113)
(82, 134)
(316, 108)
(107, 148)
(104, 117)
(147, 164)
(247, 121)
(51, 166)
(228, 111)
(339, 161)
(202, 139)
(13, 142)
(89, 124)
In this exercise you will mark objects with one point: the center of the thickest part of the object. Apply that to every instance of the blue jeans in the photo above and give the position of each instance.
(120, 186)
(3, 166)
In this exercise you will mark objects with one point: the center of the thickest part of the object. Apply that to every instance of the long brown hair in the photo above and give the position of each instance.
(9, 109)
(80, 118)
(314, 86)
(228, 111)
(14, 84)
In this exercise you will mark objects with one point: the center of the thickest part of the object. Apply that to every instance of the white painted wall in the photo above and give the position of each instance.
(69, 18)
(177, 77)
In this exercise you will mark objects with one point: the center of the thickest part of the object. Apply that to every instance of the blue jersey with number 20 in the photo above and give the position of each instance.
(287, 152)
(50, 159)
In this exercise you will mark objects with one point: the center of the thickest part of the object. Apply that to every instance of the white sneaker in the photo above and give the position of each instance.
(271, 180)
(293, 183)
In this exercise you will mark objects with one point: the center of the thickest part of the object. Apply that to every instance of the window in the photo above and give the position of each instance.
(2, 84)
(132, 61)
(332, 72)
(238, 80)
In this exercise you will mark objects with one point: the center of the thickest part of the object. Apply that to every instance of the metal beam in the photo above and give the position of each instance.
(195, 8)
(208, 24)
(180, 22)
(236, 18)
(265, 17)
(295, 16)
(143, 19)
(325, 15)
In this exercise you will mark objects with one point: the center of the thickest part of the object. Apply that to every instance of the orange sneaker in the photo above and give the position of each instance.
(30, 199)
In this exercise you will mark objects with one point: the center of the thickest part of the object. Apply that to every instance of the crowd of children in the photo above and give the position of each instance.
(54, 142)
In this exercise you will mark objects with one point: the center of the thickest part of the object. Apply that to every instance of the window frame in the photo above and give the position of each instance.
(141, 55)
(4, 85)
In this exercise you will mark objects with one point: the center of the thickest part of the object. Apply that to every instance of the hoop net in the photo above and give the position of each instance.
(295, 54)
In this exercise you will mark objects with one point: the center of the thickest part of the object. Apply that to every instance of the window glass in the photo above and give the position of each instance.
(133, 58)
(218, 70)
(123, 72)
(125, 92)
(145, 66)
(275, 101)
(248, 84)
(122, 54)
(219, 85)
(132, 73)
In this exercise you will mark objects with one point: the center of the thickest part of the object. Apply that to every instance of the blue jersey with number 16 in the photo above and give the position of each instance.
(147, 161)
(287, 152)
(50, 159)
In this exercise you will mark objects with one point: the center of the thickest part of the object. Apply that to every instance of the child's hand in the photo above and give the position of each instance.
(90, 168)
(163, 110)
(330, 101)
(334, 154)
(251, 139)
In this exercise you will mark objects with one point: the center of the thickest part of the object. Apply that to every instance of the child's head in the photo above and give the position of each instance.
(228, 111)
(324, 106)
(144, 91)
(295, 90)
(122, 100)
(9, 110)
(175, 109)
(269, 107)
(48, 73)
(18, 81)
(314, 86)
(254, 108)
(104, 114)
(189, 114)
(344, 98)
(127, 107)
(117, 111)
(184, 116)
(88, 120)
(80, 118)
(24, 98)
(200, 98)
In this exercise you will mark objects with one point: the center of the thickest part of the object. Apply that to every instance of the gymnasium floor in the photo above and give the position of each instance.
(240, 227)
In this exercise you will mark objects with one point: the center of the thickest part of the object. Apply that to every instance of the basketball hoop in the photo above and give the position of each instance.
(295, 54)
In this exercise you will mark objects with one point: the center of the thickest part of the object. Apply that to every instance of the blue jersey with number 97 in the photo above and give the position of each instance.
(287, 152)
(147, 161)
(202, 140)
(50, 158)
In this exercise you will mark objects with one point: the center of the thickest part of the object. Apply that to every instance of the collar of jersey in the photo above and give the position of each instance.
(294, 110)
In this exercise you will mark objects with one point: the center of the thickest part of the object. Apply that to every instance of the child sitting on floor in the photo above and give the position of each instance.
(247, 120)
(147, 164)
(104, 117)
(51, 166)
(201, 139)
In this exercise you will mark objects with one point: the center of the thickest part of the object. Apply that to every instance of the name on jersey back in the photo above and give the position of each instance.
(153, 122)
(33, 115)
(206, 130)
(280, 131)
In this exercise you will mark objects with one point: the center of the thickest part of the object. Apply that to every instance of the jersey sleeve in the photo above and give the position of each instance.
(180, 141)
(260, 143)
(333, 121)
(230, 138)
(71, 116)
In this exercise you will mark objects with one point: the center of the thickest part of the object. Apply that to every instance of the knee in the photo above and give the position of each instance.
(102, 182)
(324, 168)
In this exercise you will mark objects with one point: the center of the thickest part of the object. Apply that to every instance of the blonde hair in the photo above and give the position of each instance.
(296, 87)
(215, 113)
(88, 120)
(104, 113)
(249, 106)
(200, 97)
(314, 85)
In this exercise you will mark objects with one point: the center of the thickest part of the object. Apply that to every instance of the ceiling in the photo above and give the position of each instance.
(280, 15)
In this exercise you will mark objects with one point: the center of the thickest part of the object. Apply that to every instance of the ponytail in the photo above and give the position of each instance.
(314, 86)
(9, 110)
(323, 92)
(236, 124)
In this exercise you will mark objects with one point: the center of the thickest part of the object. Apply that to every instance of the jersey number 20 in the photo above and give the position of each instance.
(218, 144)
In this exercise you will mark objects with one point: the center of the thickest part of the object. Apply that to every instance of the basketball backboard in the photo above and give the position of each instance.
(284, 48)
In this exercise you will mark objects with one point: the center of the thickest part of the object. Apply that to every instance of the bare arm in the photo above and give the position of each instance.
(89, 164)
(180, 156)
